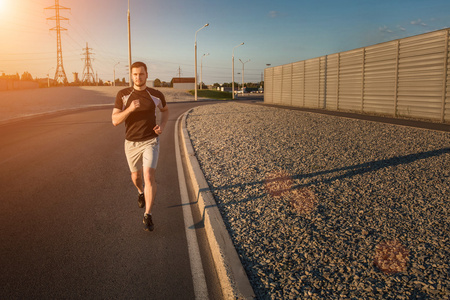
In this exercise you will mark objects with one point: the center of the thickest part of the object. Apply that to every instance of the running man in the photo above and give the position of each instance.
(136, 106)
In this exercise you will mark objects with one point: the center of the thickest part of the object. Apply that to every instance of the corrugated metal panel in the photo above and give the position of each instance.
(446, 101)
(420, 76)
(286, 85)
(322, 83)
(350, 80)
(379, 78)
(298, 81)
(332, 81)
(312, 82)
(407, 77)
(277, 78)
(268, 85)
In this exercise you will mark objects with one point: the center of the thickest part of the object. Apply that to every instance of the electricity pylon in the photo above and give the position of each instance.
(60, 75)
(88, 72)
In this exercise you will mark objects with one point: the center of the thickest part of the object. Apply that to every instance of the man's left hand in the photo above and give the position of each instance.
(157, 129)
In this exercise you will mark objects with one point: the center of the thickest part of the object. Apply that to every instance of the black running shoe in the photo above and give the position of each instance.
(141, 200)
(148, 223)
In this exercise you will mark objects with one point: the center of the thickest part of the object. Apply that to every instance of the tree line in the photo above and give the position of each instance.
(249, 85)
(26, 76)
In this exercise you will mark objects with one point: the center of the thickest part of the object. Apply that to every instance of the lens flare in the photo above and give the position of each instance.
(278, 183)
(304, 201)
(391, 257)
(2, 6)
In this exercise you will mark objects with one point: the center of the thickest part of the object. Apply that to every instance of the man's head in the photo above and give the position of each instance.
(139, 74)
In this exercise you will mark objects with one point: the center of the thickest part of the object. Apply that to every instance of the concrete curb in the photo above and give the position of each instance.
(232, 276)
(54, 113)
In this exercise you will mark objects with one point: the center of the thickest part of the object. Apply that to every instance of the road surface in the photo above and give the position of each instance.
(70, 226)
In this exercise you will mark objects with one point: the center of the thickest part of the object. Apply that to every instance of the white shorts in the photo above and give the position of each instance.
(144, 153)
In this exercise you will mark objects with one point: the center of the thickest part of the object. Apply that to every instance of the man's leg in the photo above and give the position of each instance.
(150, 159)
(136, 177)
(149, 189)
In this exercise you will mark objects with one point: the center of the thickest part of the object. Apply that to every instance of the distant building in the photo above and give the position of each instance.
(75, 77)
(224, 89)
(184, 83)
(11, 84)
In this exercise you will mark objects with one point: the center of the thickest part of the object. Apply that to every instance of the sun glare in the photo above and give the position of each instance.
(3, 5)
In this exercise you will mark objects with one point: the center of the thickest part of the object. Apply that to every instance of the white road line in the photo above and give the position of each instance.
(198, 276)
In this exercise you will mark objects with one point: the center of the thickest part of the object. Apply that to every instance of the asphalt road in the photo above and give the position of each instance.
(70, 226)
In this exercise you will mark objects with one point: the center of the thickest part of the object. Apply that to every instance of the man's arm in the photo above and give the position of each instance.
(119, 116)
(164, 118)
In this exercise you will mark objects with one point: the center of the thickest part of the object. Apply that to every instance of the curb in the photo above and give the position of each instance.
(233, 279)
(54, 113)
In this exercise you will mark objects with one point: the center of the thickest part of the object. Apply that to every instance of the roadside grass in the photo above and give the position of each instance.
(212, 94)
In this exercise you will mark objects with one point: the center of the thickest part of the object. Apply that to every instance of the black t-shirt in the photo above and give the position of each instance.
(140, 123)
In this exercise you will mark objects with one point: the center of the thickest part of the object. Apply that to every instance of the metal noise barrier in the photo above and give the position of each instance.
(401, 78)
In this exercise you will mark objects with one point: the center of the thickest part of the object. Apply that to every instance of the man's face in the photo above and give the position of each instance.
(139, 76)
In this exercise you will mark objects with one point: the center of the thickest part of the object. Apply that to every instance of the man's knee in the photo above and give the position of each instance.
(149, 175)
(136, 175)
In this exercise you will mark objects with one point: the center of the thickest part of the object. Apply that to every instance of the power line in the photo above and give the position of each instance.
(60, 75)
(88, 72)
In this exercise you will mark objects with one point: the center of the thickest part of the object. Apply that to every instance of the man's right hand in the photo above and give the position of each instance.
(119, 116)
(135, 104)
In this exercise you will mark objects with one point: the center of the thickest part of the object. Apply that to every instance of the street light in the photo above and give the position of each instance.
(261, 85)
(232, 77)
(201, 71)
(207, 24)
(114, 72)
(48, 76)
(129, 45)
(238, 83)
(243, 63)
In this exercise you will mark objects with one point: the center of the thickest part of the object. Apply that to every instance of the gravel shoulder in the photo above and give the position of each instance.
(323, 207)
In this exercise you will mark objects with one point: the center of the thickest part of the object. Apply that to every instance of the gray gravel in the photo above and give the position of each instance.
(322, 207)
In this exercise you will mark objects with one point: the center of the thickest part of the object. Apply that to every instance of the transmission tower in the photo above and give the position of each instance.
(88, 72)
(60, 75)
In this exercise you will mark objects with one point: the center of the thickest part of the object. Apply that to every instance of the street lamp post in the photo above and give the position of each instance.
(243, 63)
(129, 45)
(114, 74)
(232, 64)
(262, 80)
(195, 46)
(201, 71)
(48, 76)
(238, 83)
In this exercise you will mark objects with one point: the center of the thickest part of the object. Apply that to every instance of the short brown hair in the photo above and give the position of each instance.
(139, 64)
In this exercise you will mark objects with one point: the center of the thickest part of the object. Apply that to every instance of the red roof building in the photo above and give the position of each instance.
(184, 83)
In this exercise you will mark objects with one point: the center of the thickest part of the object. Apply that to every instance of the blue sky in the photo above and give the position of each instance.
(163, 32)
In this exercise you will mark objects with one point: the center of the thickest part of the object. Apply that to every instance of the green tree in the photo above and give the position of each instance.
(157, 82)
(26, 77)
